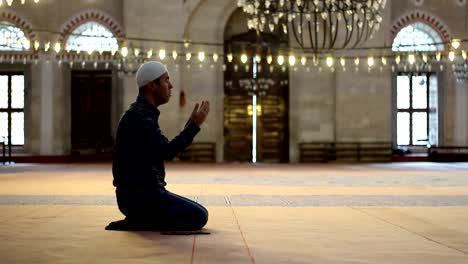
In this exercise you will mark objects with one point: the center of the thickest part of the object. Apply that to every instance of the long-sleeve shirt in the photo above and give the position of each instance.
(141, 148)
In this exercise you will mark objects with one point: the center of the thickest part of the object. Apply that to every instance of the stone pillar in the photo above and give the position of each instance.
(461, 114)
(44, 82)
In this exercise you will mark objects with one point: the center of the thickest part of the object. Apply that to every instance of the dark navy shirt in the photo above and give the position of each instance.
(141, 148)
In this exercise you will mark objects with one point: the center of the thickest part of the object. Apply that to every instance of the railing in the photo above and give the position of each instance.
(199, 152)
(345, 151)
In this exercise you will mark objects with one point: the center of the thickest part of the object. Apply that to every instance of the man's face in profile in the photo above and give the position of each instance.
(162, 89)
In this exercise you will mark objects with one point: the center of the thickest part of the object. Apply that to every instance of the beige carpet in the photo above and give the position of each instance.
(369, 213)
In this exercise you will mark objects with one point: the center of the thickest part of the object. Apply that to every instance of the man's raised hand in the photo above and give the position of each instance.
(200, 112)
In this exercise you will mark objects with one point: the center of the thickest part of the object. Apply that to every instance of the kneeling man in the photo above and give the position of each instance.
(140, 152)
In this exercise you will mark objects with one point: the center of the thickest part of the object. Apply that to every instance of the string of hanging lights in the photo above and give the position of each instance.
(10, 2)
(129, 53)
(317, 24)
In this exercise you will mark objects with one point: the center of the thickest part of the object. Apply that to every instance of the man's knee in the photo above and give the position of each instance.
(201, 218)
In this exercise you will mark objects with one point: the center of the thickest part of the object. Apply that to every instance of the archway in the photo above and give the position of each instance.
(417, 100)
(91, 89)
(256, 126)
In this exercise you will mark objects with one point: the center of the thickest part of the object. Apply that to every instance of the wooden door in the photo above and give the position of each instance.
(91, 111)
(272, 118)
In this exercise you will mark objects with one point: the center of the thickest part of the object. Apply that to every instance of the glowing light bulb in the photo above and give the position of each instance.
(343, 62)
(424, 57)
(280, 59)
(174, 54)
(124, 52)
(149, 54)
(162, 54)
(330, 61)
(269, 59)
(244, 58)
(398, 59)
(303, 60)
(47, 46)
(258, 58)
(411, 59)
(370, 61)
(292, 60)
(57, 47)
(384, 61)
(438, 56)
(452, 56)
(356, 61)
(188, 56)
(215, 57)
(201, 56)
(230, 57)
(136, 52)
(456, 43)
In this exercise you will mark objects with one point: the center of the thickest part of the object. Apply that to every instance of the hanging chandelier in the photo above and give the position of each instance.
(10, 2)
(458, 57)
(317, 24)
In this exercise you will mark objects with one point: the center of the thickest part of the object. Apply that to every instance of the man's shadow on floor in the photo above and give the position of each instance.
(126, 225)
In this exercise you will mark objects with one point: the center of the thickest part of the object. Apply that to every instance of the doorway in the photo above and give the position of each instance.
(91, 112)
(256, 122)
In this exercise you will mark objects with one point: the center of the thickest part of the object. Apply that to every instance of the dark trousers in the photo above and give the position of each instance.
(162, 210)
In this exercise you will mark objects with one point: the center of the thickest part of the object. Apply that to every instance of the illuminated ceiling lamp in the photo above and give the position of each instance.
(10, 2)
(317, 24)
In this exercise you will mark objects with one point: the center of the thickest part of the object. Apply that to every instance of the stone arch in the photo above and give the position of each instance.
(424, 17)
(89, 16)
(20, 22)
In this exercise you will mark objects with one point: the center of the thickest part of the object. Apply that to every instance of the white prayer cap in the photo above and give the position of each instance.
(149, 71)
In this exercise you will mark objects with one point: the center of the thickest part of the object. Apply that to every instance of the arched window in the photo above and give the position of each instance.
(417, 37)
(417, 96)
(12, 38)
(92, 36)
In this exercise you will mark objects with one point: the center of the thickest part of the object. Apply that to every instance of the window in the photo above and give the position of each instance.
(12, 38)
(415, 114)
(417, 118)
(417, 37)
(91, 37)
(12, 108)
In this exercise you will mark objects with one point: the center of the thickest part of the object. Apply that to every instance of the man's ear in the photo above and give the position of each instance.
(150, 86)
